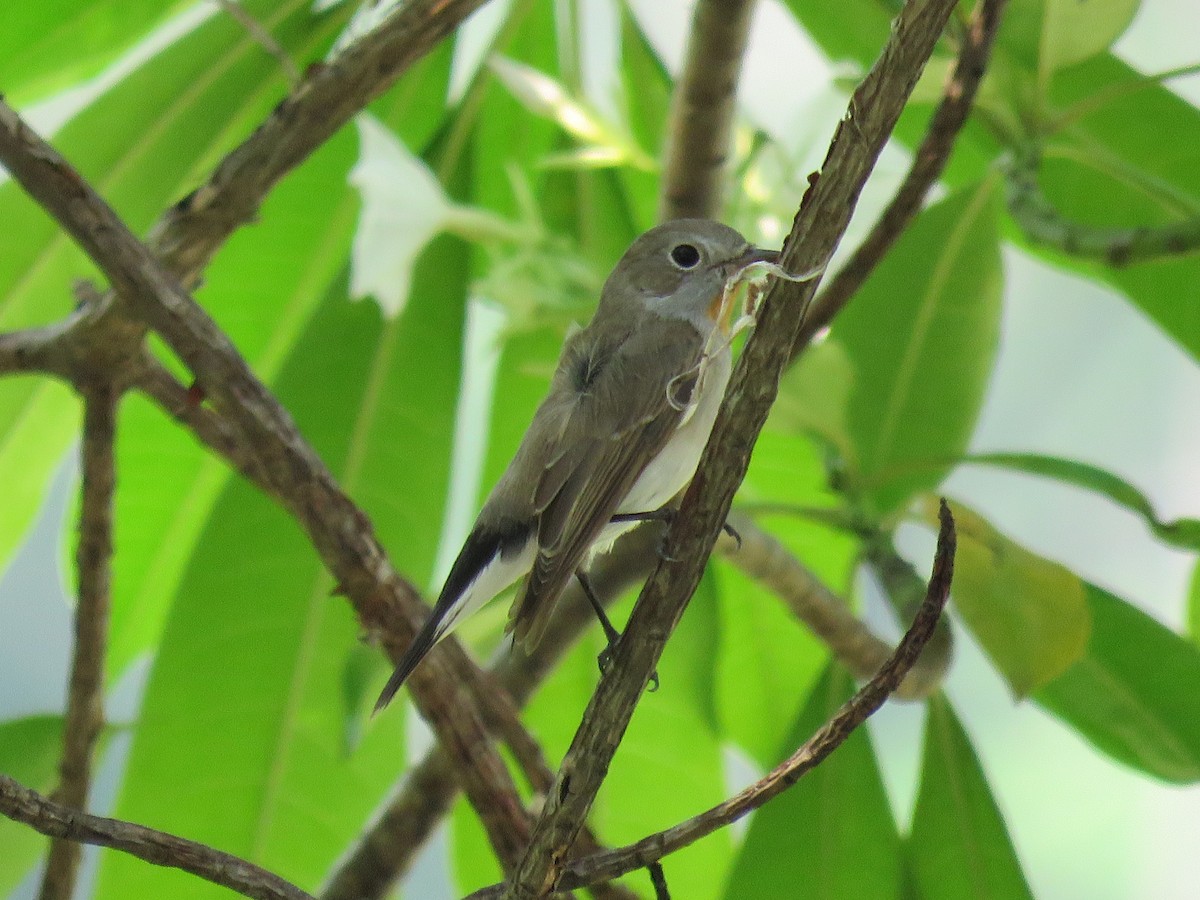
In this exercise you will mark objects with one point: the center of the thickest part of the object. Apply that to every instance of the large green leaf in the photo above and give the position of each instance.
(29, 752)
(959, 848)
(921, 336)
(246, 694)
(138, 145)
(1029, 614)
(1135, 694)
(284, 264)
(832, 834)
(1184, 533)
(1049, 35)
(51, 45)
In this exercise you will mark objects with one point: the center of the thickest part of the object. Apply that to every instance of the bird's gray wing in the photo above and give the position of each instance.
(614, 422)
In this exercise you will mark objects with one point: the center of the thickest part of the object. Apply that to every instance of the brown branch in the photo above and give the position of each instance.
(386, 605)
(928, 165)
(853, 713)
(822, 219)
(1042, 223)
(768, 562)
(85, 696)
(57, 821)
(330, 94)
(703, 109)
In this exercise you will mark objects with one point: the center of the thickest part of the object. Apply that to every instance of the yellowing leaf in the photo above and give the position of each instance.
(1029, 614)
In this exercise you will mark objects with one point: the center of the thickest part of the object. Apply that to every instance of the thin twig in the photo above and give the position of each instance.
(703, 110)
(928, 164)
(262, 37)
(85, 695)
(852, 714)
(55, 820)
(822, 219)
(386, 605)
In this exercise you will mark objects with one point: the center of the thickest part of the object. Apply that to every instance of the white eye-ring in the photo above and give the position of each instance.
(685, 256)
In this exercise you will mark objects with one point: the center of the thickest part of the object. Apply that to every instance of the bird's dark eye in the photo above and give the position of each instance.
(686, 256)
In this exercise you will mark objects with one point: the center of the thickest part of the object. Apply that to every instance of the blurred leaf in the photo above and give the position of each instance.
(1029, 614)
(1193, 608)
(285, 264)
(138, 146)
(547, 97)
(255, 693)
(1183, 533)
(830, 835)
(921, 336)
(29, 752)
(53, 44)
(403, 207)
(958, 846)
(768, 660)
(1048, 35)
(814, 397)
(1135, 694)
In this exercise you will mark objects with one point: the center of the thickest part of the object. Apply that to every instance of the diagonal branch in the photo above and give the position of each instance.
(928, 164)
(55, 820)
(340, 532)
(85, 694)
(388, 847)
(853, 713)
(820, 223)
(703, 108)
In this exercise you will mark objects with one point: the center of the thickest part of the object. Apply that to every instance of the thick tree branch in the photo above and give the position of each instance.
(341, 533)
(819, 225)
(55, 820)
(703, 110)
(852, 714)
(928, 164)
(85, 694)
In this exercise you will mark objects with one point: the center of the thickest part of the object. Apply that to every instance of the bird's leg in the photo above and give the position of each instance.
(610, 632)
(667, 514)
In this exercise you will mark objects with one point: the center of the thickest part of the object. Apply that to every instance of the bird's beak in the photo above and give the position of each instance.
(749, 257)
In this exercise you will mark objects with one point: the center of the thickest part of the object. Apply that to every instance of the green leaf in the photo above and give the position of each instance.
(921, 336)
(1193, 606)
(247, 694)
(1184, 533)
(29, 752)
(1134, 694)
(830, 835)
(1049, 35)
(959, 848)
(53, 44)
(1029, 614)
(138, 145)
(814, 398)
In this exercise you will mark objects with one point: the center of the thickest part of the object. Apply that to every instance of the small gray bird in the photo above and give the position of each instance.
(629, 411)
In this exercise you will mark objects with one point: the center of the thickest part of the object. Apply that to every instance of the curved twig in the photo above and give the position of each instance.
(852, 714)
(23, 805)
